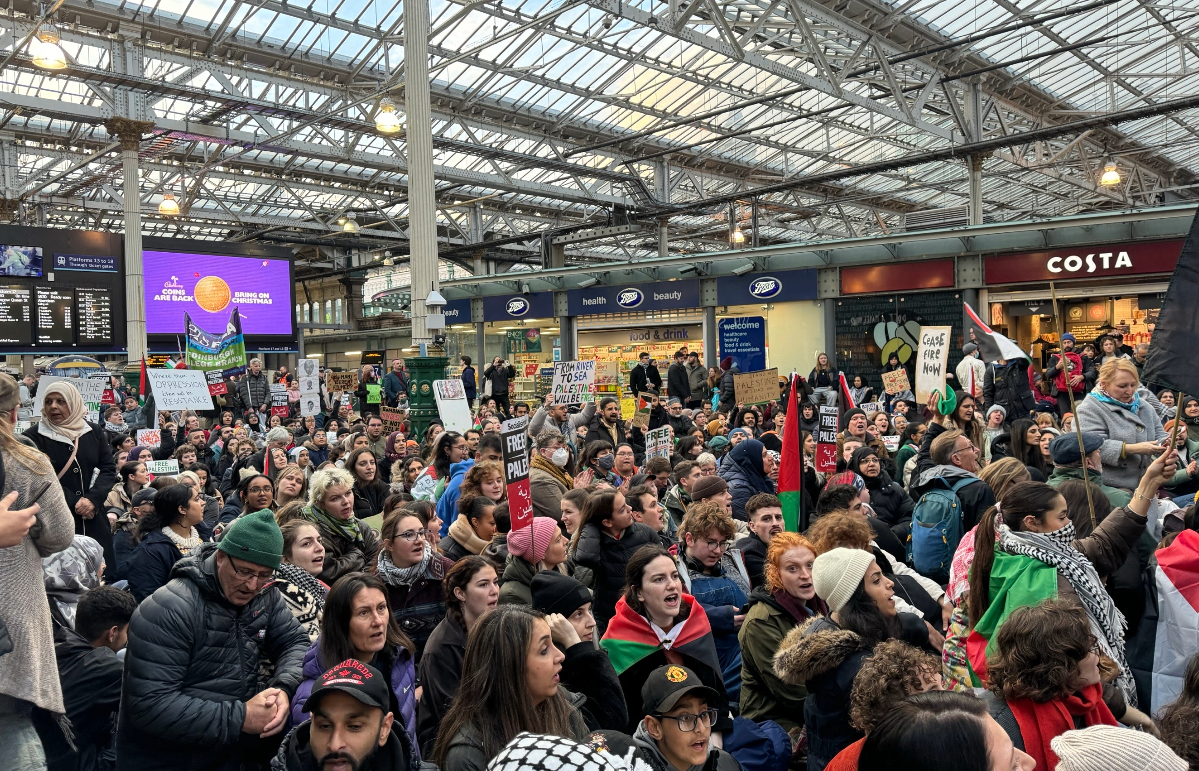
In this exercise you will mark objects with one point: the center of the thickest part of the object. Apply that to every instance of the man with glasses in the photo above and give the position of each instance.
(194, 652)
(677, 728)
(716, 576)
(677, 420)
(952, 463)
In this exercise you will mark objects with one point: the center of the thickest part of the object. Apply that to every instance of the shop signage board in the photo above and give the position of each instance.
(932, 361)
(896, 382)
(516, 471)
(451, 405)
(1126, 259)
(629, 298)
(826, 440)
(898, 277)
(777, 286)
(518, 306)
(574, 382)
(180, 389)
(457, 311)
(744, 339)
(756, 387)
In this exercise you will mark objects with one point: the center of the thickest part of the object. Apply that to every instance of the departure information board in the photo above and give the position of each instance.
(16, 325)
(55, 319)
(94, 316)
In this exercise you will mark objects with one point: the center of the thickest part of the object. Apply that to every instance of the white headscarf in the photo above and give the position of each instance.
(75, 424)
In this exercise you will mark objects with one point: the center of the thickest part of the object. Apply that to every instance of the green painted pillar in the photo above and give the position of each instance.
(422, 404)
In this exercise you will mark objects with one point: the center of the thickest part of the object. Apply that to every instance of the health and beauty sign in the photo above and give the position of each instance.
(744, 339)
(777, 286)
(665, 295)
(206, 286)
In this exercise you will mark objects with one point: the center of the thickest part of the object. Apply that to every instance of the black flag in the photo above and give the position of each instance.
(1172, 361)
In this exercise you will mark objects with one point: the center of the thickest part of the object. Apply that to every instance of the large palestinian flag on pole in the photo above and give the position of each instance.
(790, 486)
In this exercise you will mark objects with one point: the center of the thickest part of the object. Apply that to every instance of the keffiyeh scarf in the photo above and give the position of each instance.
(1107, 622)
(348, 528)
(307, 582)
(397, 576)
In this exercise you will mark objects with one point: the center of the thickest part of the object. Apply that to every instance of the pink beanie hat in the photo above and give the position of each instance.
(521, 542)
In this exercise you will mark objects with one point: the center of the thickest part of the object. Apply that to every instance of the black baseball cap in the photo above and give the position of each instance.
(144, 495)
(666, 685)
(352, 677)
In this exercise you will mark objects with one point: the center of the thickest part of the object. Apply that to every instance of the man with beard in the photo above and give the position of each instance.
(204, 454)
(765, 515)
(350, 728)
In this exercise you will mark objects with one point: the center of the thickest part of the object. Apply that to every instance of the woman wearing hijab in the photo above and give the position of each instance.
(747, 472)
(81, 458)
(70, 573)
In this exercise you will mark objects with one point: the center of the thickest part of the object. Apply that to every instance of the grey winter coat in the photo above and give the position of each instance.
(541, 420)
(1120, 426)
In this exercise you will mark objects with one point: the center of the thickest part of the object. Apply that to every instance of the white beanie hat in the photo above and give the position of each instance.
(836, 574)
(1105, 747)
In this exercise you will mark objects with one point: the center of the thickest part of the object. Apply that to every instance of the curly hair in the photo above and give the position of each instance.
(478, 474)
(780, 545)
(888, 676)
(1037, 651)
(833, 530)
(703, 518)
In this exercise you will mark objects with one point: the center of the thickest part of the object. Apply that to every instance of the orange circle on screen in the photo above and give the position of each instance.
(212, 294)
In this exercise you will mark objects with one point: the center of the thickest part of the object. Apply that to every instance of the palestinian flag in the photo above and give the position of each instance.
(846, 400)
(1169, 631)
(629, 637)
(992, 346)
(142, 384)
(1016, 581)
(790, 485)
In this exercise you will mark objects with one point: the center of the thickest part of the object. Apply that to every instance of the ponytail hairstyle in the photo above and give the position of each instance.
(1031, 499)
(10, 446)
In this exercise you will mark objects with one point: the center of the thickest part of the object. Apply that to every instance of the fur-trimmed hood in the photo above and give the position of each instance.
(813, 648)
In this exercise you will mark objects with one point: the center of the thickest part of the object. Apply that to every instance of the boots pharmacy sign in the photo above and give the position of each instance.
(1127, 259)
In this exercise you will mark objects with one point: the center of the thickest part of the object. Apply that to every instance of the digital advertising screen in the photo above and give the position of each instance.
(208, 287)
(20, 260)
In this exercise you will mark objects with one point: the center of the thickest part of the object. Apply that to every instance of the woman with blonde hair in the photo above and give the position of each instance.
(1119, 409)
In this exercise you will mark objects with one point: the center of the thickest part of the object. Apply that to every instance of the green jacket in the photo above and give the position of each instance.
(517, 581)
(763, 695)
(676, 502)
(1181, 476)
(1115, 496)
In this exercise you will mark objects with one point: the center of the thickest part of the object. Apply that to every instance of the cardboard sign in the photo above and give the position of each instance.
(826, 440)
(657, 443)
(628, 408)
(641, 416)
(343, 381)
(932, 361)
(452, 406)
(310, 404)
(149, 437)
(393, 420)
(574, 382)
(179, 389)
(756, 387)
(869, 407)
(896, 382)
(307, 368)
(161, 468)
(516, 471)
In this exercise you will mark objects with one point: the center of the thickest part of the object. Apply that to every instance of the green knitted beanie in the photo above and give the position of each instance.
(255, 537)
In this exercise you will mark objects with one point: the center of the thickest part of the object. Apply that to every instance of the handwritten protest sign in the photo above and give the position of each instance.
(149, 437)
(516, 471)
(574, 382)
(932, 361)
(393, 419)
(896, 382)
(891, 443)
(452, 406)
(826, 440)
(216, 384)
(374, 393)
(641, 416)
(279, 400)
(756, 387)
(343, 381)
(180, 389)
(869, 407)
(161, 468)
(657, 443)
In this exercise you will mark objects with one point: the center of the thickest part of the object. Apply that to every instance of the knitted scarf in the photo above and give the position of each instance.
(397, 576)
(307, 582)
(348, 528)
(185, 545)
(548, 467)
(1134, 406)
(1107, 622)
(1040, 723)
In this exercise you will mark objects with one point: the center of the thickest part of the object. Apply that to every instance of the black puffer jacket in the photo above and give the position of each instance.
(889, 501)
(1008, 387)
(193, 662)
(587, 671)
(609, 557)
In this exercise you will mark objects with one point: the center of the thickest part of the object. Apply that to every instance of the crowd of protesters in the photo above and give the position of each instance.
(333, 592)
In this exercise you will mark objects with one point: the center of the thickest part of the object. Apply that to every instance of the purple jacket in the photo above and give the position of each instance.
(401, 678)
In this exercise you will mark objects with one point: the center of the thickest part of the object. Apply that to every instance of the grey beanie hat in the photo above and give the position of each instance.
(837, 573)
(1105, 747)
(995, 407)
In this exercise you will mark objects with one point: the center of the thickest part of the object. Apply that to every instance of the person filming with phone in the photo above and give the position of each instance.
(1118, 409)
(498, 374)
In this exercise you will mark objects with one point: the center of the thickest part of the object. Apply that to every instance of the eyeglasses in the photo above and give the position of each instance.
(715, 545)
(259, 490)
(250, 576)
(687, 722)
(412, 536)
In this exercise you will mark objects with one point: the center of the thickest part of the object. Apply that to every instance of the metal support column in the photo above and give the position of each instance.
(711, 355)
(974, 119)
(663, 237)
(568, 333)
(830, 328)
(129, 132)
(422, 204)
(480, 346)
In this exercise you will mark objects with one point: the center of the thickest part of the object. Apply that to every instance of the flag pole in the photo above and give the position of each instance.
(1082, 453)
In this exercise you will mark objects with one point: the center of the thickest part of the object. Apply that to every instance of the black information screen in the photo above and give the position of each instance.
(94, 313)
(16, 326)
(55, 316)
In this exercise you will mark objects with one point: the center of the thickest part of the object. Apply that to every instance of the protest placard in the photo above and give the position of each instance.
(393, 419)
(307, 368)
(932, 361)
(163, 468)
(826, 440)
(91, 389)
(891, 443)
(657, 443)
(374, 393)
(310, 404)
(343, 381)
(309, 385)
(641, 416)
(896, 382)
(756, 387)
(216, 384)
(179, 389)
(516, 471)
(149, 437)
(574, 382)
(279, 400)
(869, 407)
(452, 406)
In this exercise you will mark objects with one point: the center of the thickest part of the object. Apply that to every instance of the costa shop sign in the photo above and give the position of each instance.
(1129, 259)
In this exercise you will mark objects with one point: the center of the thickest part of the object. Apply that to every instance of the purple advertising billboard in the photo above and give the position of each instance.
(208, 286)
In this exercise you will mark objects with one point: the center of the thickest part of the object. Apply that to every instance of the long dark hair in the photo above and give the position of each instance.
(494, 699)
(596, 509)
(441, 453)
(334, 645)
(128, 469)
(863, 616)
(934, 731)
(1029, 499)
(243, 488)
(1077, 507)
(459, 577)
(1177, 721)
(1028, 454)
(167, 503)
(352, 463)
(593, 450)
